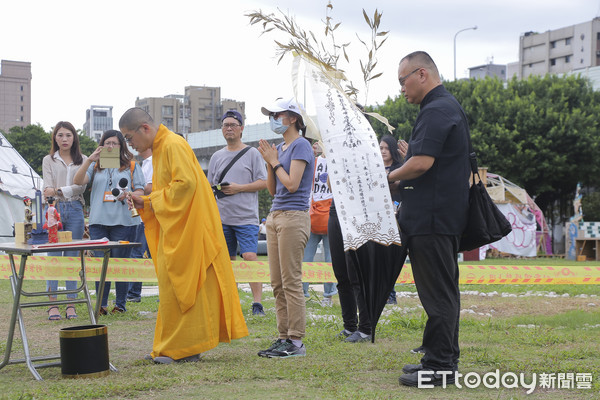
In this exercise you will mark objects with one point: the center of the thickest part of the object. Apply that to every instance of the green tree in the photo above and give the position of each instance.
(590, 204)
(264, 203)
(86, 144)
(540, 133)
(32, 142)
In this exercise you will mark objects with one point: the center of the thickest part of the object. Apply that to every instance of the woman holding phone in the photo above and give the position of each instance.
(110, 216)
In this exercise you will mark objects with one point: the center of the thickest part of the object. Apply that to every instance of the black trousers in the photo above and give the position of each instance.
(435, 269)
(348, 284)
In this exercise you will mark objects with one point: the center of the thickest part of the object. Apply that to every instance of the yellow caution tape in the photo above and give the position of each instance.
(142, 270)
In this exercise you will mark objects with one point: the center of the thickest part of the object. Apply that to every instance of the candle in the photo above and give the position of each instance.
(38, 209)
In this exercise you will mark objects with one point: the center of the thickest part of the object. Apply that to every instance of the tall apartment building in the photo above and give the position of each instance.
(199, 109)
(15, 94)
(558, 51)
(97, 120)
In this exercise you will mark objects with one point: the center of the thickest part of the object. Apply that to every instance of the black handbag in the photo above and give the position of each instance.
(486, 223)
(217, 188)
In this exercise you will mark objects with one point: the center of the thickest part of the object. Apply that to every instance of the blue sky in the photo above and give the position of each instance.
(109, 53)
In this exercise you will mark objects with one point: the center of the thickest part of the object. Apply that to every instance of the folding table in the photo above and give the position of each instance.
(16, 282)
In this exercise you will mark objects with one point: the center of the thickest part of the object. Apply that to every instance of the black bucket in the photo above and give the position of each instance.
(84, 351)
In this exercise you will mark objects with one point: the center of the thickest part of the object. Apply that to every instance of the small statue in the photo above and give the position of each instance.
(28, 217)
(53, 224)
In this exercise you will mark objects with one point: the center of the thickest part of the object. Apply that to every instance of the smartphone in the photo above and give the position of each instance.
(110, 159)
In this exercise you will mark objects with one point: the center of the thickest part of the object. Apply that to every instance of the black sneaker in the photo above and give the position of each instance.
(257, 309)
(418, 350)
(357, 337)
(288, 349)
(344, 334)
(134, 299)
(427, 377)
(391, 299)
(410, 368)
(274, 345)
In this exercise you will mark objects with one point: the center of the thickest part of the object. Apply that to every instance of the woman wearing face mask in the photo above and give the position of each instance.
(290, 175)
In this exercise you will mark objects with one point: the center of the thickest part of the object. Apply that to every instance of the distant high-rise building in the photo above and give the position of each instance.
(558, 51)
(97, 120)
(199, 109)
(15, 94)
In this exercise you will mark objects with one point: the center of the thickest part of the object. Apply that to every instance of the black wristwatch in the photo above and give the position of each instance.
(275, 167)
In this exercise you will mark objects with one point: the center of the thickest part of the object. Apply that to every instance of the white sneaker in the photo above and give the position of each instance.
(327, 302)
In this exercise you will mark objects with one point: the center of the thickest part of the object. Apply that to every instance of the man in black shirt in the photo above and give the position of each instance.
(435, 191)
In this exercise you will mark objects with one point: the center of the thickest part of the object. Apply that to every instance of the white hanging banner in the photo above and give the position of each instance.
(521, 240)
(356, 171)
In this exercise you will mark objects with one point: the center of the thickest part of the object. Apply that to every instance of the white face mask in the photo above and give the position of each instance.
(277, 126)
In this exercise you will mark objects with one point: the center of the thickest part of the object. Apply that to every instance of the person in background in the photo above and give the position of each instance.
(392, 159)
(238, 206)
(134, 294)
(110, 217)
(290, 168)
(262, 229)
(320, 200)
(59, 167)
(199, 304)
(435, 201)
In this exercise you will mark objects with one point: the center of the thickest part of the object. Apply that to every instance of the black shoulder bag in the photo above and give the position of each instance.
(217, 188)
(486, 223)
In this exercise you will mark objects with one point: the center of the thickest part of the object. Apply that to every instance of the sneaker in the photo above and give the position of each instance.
(428, 377)
(344, 334)
(418, 350)
(257, 309)
(288, 349)
(274, 345)
(411, 368)
(117, 310)
(357, 337)
(392, 299)
(327, 302)
(134, 299)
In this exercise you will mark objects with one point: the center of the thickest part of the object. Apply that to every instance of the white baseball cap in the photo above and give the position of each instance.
(282, 104)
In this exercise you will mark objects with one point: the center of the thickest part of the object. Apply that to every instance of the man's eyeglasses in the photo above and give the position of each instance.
(227, 126)
(403, 79)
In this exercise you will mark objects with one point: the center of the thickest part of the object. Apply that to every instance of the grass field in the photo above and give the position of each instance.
(529, 329)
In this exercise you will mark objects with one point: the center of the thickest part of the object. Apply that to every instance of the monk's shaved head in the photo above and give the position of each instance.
(133, 118)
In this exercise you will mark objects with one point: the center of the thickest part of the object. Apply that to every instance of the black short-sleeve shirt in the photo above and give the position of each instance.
(437, 201)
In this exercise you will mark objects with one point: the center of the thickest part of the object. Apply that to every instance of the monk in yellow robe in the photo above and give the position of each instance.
(199, 303)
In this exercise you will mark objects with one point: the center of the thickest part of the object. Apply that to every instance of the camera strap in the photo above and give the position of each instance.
(233, 161)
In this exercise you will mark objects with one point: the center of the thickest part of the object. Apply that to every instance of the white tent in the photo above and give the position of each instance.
(17, 180)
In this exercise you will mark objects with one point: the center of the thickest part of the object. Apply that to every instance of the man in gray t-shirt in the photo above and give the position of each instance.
(239, 209)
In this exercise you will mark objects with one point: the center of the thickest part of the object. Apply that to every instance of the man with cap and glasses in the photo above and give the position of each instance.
(238, 200)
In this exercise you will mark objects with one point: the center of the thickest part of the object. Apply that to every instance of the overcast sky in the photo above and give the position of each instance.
(111, 52)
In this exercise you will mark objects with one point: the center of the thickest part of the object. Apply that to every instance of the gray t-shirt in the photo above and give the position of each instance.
(241, 208)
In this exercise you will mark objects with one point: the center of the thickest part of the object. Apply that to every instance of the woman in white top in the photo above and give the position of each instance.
(59, 168)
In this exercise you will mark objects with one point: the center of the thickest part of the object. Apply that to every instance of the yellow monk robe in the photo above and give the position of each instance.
(199, 303)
